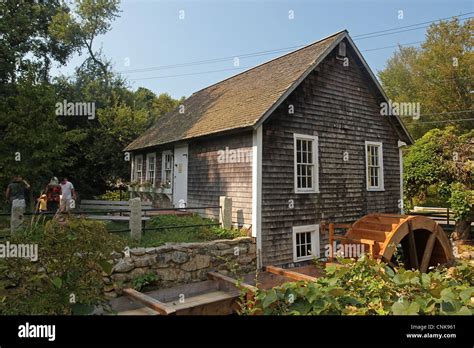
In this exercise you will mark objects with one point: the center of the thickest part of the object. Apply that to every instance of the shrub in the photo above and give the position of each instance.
(66, 278)
(365, 287)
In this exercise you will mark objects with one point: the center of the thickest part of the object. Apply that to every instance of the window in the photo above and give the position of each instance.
(374, 165)
(167, 171)
(305, 242)
(139, 169)
(151, 163)
(306, 163)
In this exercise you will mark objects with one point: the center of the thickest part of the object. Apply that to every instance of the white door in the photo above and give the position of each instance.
(180, 187)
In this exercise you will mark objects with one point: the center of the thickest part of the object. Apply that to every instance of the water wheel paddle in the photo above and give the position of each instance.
(421, 242)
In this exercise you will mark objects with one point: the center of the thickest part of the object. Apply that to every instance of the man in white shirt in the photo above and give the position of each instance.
(68, 194)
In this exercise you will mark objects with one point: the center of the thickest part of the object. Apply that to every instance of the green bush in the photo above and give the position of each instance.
(365, 287)
(67, 276)
(114, 196)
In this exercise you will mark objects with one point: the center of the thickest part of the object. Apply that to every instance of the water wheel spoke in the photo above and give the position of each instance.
(428, 251)
(412, 248)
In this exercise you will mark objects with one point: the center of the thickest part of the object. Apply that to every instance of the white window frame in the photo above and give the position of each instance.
(315, 246)
(147, 176)
(138, 178)
(163, 170)
(315, 158)
(380, 186)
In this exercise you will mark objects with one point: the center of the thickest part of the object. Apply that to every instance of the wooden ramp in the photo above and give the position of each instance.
(217, 296)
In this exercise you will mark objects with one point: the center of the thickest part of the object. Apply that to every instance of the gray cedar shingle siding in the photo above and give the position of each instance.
(208, 179)
(338, 105)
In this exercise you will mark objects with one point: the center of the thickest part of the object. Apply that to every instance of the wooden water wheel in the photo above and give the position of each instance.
(417, 241)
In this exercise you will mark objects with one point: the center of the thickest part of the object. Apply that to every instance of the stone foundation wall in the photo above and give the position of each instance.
(180, 263)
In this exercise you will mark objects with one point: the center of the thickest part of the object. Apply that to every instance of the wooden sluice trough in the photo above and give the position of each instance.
(219, 295)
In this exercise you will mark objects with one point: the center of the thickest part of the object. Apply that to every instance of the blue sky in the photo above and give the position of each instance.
(150, 33)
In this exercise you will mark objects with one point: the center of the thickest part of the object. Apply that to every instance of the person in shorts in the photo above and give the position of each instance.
(68, 194)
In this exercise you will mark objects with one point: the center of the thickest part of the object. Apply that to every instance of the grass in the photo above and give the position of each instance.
(175, 235)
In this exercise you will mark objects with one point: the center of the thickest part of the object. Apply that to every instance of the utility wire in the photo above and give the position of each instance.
(442, 121)
(279, 50)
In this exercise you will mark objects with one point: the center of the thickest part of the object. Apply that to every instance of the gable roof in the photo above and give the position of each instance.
(244, 100)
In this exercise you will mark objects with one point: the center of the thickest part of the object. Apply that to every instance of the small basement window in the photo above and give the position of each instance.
(306, 163)
(305, 242)
(374, 166)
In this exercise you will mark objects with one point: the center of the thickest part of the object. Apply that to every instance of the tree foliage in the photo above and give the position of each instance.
(67, 277)
(442, 160)
(88, 151)
(437, 75)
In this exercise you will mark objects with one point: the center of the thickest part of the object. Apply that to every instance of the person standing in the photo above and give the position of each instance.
(53, 194)
(67, 195)
(16, 194)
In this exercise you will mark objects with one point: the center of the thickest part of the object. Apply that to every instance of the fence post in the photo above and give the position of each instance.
(135, 224)
(225, 212)
(331, 242)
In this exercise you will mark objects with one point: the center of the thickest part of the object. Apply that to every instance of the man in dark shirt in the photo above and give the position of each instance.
(16, 194)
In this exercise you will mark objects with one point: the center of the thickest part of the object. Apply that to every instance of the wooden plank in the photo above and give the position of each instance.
(231, 281)
(289, 274)
(428, 251)
(200, 300)
(113, 217)
(148, 301)
(103, 202)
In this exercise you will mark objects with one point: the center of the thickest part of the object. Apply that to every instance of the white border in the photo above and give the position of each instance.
(257, 191)
(315, 246)
(314, 138)
(381, 179)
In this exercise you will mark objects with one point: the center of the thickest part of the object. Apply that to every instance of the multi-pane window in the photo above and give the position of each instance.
(151, 163)
(139, 169)
(167, 172)
(306, 163)
(305, 242)
(374, 163)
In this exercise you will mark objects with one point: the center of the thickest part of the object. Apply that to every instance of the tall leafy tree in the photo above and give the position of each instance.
(442, 160)
(438, 75)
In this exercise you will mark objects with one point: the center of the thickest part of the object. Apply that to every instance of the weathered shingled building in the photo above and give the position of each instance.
(293, 141)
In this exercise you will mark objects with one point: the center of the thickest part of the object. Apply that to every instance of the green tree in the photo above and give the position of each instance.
(437, 75)
(442, 160)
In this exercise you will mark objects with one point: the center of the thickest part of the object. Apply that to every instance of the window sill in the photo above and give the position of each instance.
(301, 259)
(375, 189)
(303, 192)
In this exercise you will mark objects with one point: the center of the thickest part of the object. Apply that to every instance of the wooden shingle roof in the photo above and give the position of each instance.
(237, 102)
(244, 100)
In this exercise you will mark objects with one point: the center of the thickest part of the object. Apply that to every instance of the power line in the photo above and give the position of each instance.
(413, 25)
(443, 113)
(248, 67)
(280, 50)
(195, 73)
(443, 121)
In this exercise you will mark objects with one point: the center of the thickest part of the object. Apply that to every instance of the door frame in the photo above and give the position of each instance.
(180, 150)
